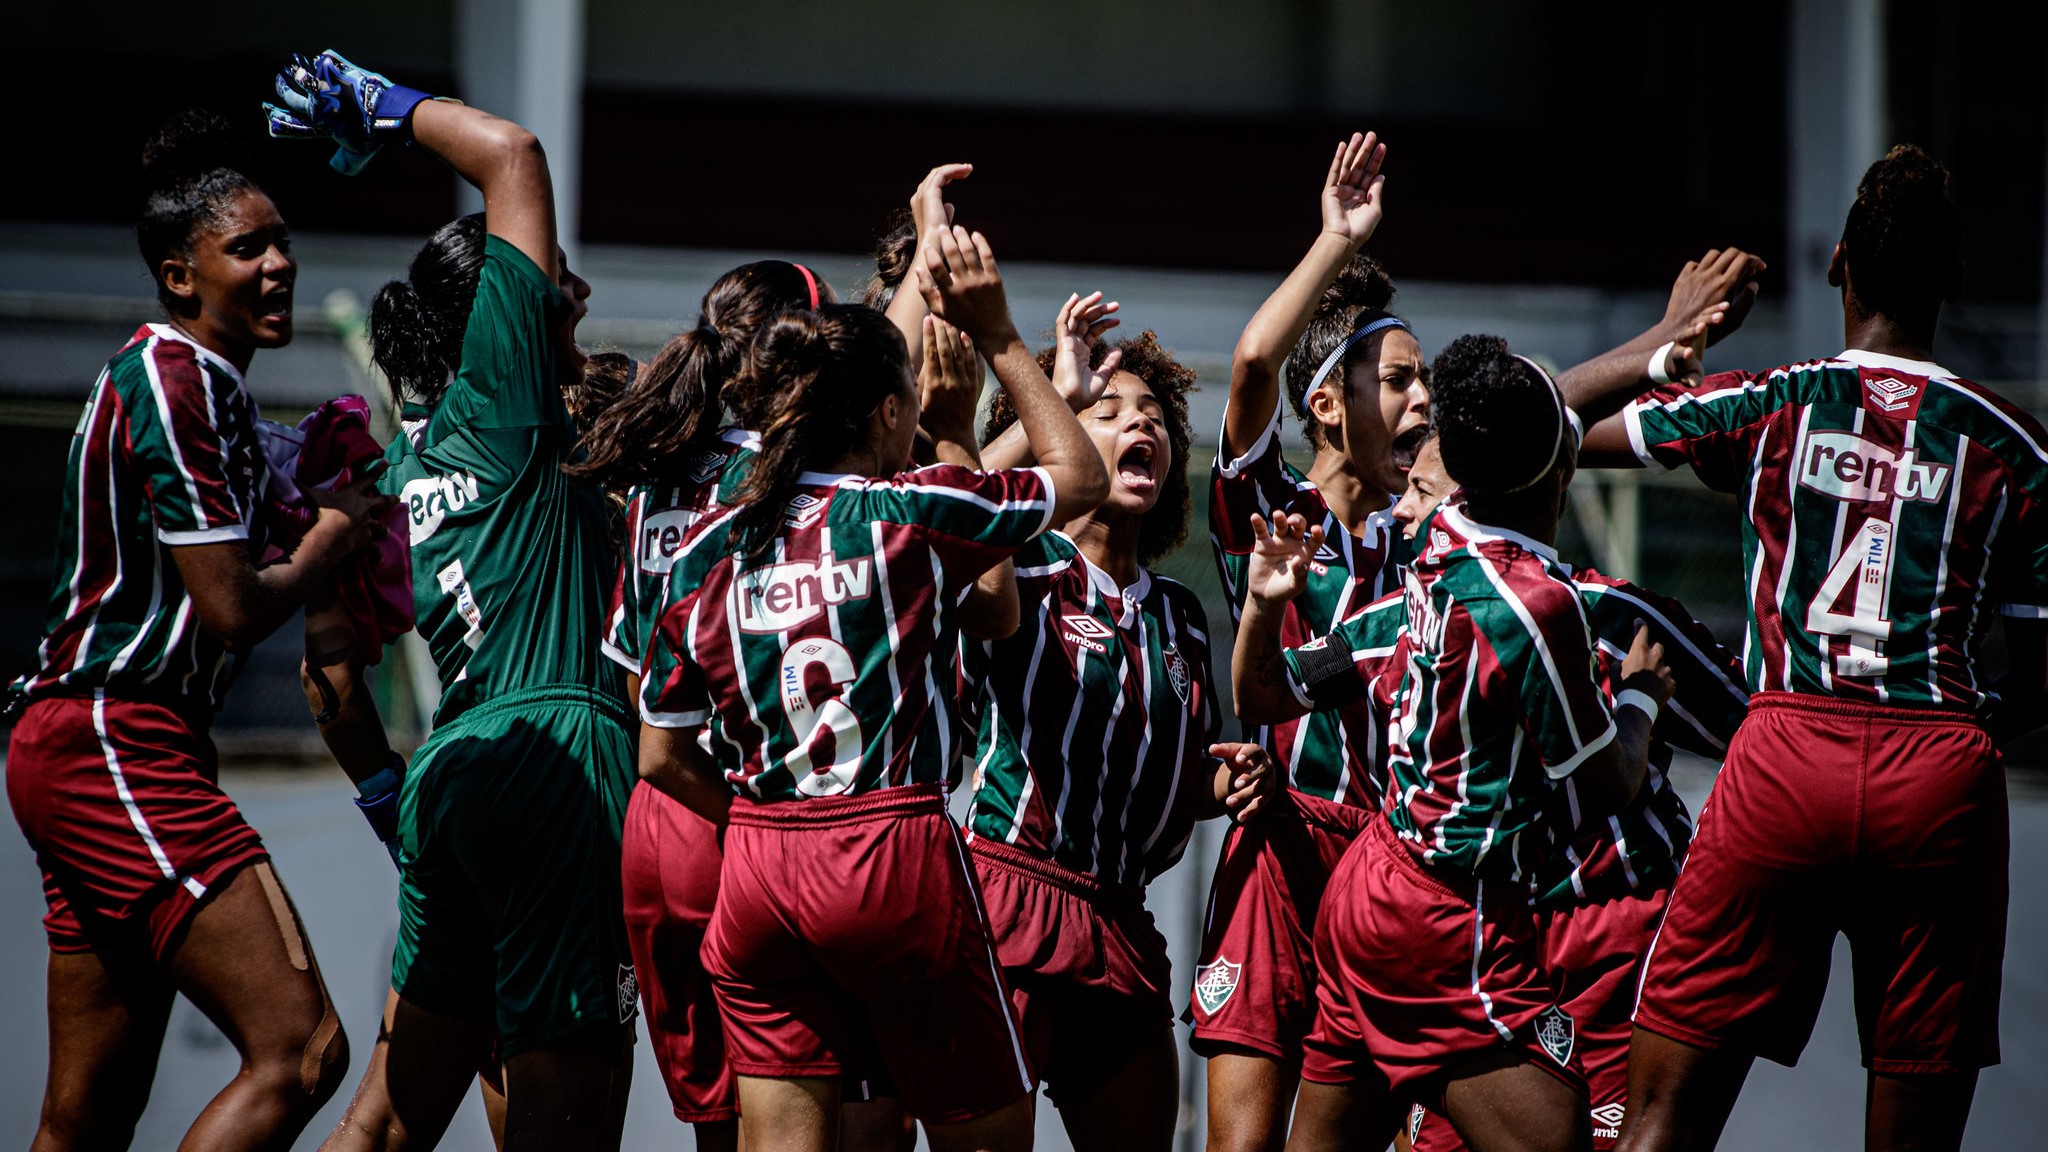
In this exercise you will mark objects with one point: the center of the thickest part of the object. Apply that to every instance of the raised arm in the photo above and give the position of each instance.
(949, 384)
(1351, 211)
(1079, 327)
(928, 210)
(962, 285)
(1278, 573)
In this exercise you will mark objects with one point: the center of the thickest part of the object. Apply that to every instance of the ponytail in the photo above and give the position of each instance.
(821, 374)
(683, 395)
(417, 324)
(1337, 334)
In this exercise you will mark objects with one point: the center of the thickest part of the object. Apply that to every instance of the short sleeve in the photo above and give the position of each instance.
(507, 378)
(1257, 481)
(1711, 425)
(673, 693)
(1538, 633)
(1342, 667)
(176, 431)
(973, 520)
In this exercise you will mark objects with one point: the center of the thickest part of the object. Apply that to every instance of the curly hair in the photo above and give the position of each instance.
(1170, 381)
(1903, 240)
(1498, 420)
(1359, 296)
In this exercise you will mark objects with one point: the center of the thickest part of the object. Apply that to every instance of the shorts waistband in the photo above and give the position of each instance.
(1331, 814)
(1090, 888)
(1859, 710)
(908, 800)
(1461, 887)
(604, 702)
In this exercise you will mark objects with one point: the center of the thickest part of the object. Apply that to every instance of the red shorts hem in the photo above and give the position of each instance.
(708, 1116)
(1925, 1067)
(1209, 1043)
(761, 1070)
(1649, 1022)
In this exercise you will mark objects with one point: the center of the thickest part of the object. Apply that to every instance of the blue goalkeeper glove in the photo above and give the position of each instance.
(329, 98)
(377, 799)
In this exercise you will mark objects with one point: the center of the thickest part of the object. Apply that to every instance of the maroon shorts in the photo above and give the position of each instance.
(1421, 971)
(1888, 825)
(121, 801)
(669, 861)
(850, 928)
(1595, 953)
(1255, 978)
(1087, 969)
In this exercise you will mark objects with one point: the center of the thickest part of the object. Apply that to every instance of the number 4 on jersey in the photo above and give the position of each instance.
(1867, 562)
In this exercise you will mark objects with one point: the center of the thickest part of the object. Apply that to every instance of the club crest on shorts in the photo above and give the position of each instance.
(629, 993)
(1214, 983)
(1556, 1032)
(1607, 1121)
(1177, 672)
(1415, 1116)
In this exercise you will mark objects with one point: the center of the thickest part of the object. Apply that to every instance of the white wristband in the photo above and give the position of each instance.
(1659, 370)
(1640, 699)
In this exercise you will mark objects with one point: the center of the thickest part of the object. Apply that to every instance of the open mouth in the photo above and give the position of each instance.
(277, 305)
(1134, 467)
(1407, 445)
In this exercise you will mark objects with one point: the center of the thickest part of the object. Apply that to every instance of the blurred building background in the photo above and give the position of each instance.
(1551, 167)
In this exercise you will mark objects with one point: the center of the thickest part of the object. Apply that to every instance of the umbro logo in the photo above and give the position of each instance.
(1607, 1121)
(1326, 554)
(1085, 631)
(1890, 393)
(804, 510)
(707, 466)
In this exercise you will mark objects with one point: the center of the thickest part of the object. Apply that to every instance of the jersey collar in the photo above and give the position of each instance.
(1865, 359)
(1476, 532)
(831, 479)
(170, 332)
(741, 438)
(1106, 586)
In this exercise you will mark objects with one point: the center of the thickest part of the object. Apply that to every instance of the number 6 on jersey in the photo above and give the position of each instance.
(832, 718)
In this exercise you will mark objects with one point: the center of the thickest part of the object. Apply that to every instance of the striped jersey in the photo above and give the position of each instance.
(1636, 848)
(658, 519)
(1498, 698)
(1348, 573)
(166, 454)
(508, 569)
(1093, 720)
(826, 666)
(1886, 504)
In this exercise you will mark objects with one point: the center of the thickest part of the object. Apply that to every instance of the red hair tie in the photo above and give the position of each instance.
(810, 283)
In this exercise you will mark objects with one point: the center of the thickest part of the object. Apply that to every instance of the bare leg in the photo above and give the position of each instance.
(1506, 1104)
(795, 1115)
(1679, 1096)
(107, 1018)
(718, 1135)
(417, 1075)
(492, 1097)
(569, 1095)
(878, 1125)
(1918, 1113)
(1248, 1100)
(1007, 1129)
(245, 962)
(1136, 1108)
(1340, 1117)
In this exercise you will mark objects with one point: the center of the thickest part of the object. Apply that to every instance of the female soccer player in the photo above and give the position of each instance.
(1887, 502)
(155, 883)
(1354, 377)
(1433, 987)
(1095, 749)
(801, 638)
(529, 744)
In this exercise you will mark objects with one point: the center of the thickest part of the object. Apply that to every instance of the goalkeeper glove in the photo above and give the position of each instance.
(328, 97)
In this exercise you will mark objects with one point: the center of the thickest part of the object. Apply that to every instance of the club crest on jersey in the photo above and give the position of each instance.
(1848, 467)
(661, 537)
(1084, 631)
(1177, 672)
(1214, 983)
(430, 499)
(1891, 394)
(782, 596)
(629, 993)
(1556, 1033)
(804, 510)
(1607, 1121)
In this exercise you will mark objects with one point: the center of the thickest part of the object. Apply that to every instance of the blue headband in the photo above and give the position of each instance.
(1331, 361)
(1568, 423)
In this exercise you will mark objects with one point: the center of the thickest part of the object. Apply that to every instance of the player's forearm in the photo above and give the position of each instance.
(907, 310)
(352, 729)
(1259, 685)
(505, 162)
(671, 761)
(1080, 483)
(1610, 779)
(991, 610)
(1271, 335)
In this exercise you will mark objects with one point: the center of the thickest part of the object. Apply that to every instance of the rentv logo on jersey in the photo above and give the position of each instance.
(1848, 467)
(782, 596)
(430, 499)
(661, 537)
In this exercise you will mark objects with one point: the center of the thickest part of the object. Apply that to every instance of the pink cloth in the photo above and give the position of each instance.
(330, 448)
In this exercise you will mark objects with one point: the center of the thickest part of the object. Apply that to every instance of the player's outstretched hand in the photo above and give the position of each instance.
(329, 97)
(364, 507)
(1249, 781)
(1725, 276)
(948, 383)
(1282, 553)
(928, 207)
(1080, 325)
(1644, 668)
(961, 282)
(1351, 191)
